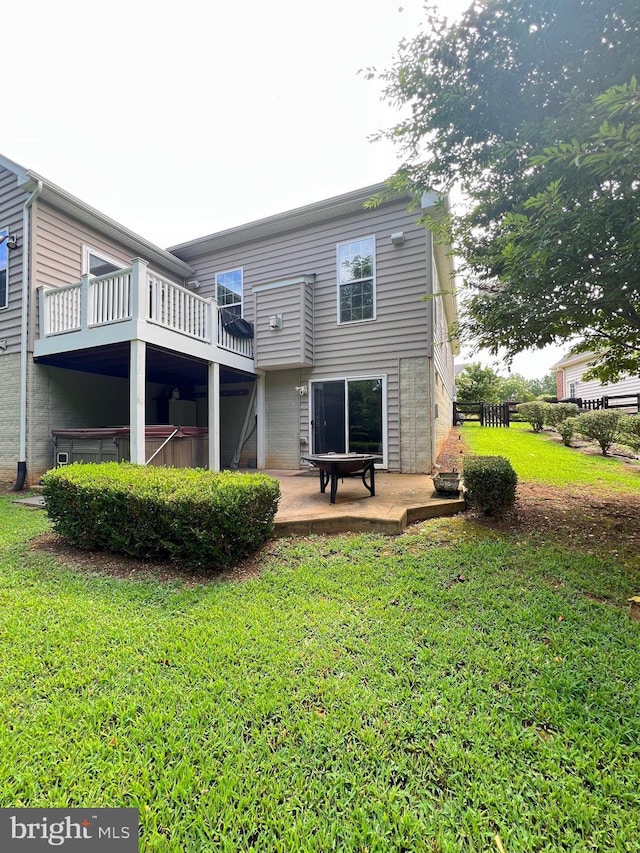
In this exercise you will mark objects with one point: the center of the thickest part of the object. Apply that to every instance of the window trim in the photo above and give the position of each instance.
(4, 232)
(340, 284)
(241, 303)
(91, 250)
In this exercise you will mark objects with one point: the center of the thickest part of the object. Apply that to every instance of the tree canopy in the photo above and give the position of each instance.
(476, 382)
(532, 109)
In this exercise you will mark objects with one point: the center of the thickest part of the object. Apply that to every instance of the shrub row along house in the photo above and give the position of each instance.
(308, 331)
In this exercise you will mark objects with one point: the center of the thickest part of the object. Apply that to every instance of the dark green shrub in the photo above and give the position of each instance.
(490, 482)
(601, 425)
(192, 516)
(567, 430)
(630, 431)
(557, 413)
(534, 413)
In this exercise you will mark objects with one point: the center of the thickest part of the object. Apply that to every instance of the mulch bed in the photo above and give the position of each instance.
(587, 519)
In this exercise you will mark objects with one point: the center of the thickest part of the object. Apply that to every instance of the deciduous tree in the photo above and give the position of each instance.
(532, 109)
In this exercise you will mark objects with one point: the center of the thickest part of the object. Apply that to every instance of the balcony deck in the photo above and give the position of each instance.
(136, 304)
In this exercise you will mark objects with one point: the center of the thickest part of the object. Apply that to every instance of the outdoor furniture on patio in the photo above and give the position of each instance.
(334, 466)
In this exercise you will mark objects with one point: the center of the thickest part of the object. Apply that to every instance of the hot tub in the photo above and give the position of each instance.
(184, 447)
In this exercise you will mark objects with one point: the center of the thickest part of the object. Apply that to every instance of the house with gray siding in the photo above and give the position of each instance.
(325, 328)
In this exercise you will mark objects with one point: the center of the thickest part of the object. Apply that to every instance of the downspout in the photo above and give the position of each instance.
(24, 328)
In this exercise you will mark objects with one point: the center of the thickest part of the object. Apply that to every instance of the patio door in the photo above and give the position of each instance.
(347, 415)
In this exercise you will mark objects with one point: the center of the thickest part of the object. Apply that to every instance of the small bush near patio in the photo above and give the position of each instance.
(490, 482)
(601, 426)
(534, 413)
(200, 518)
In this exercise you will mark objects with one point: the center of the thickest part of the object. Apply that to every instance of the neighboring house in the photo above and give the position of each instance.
(570, 383)
(308, 331)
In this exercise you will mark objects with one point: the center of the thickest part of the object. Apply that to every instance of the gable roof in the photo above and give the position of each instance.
(54, 195)
(279, 223)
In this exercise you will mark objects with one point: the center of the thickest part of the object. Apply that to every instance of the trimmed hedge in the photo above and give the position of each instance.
(558, 413)
(601, 425)
(490, 483)
(534, 413)
(192, 516)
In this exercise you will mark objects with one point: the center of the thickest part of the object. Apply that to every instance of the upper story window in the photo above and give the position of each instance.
(356, 280)
(229, 291)
(95, 263)
(4, 268)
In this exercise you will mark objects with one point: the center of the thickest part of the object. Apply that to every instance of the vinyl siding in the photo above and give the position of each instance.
(350, 350)
(11, 205)
(59, 247)
(291, 345)
(442, 354)
(592, 389)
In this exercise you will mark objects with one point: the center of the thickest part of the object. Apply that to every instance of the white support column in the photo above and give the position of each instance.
(137, 373)
(213, 403)
(261, 438)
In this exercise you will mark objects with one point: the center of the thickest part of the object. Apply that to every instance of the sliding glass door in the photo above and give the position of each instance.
(347, 415)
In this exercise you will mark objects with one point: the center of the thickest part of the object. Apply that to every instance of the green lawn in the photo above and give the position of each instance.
(425, 692)
(537, 458)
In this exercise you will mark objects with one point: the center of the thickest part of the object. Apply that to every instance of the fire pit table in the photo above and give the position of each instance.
(335, 466)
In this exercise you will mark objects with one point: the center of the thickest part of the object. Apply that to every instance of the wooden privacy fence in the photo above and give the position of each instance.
(488, 414)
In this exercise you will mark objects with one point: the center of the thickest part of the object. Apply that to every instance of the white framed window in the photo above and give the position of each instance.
(97, 263)
(4, 269)
(572, 390)
(356, 280)
(229, 290)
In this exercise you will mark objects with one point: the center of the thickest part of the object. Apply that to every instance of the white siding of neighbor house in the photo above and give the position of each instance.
(367, 348)
(11, 206)
(592, 389)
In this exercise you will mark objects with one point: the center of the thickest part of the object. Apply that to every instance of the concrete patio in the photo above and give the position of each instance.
(400, 499)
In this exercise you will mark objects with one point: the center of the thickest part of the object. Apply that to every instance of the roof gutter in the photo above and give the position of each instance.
(24, 328)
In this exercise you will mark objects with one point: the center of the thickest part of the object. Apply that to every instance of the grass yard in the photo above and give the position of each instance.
(451, 689)
(537, 458)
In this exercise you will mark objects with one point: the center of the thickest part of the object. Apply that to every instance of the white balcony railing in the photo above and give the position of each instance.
(179, 309)
(117, 297)
(110, 298)
(62, 310)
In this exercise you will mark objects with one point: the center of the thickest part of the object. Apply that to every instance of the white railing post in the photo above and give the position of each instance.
(211, 322)
(139, 290)
(42, 313)
(85, 312)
